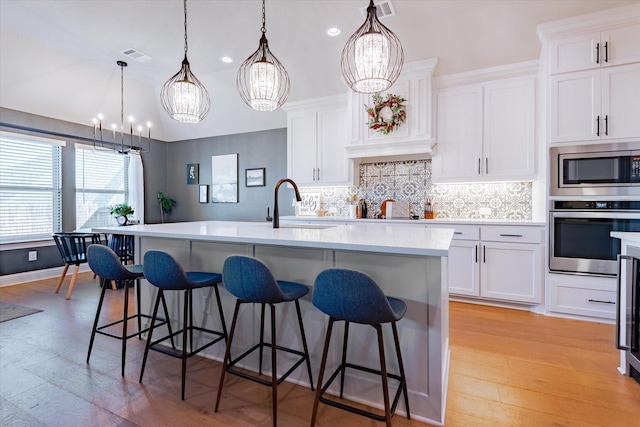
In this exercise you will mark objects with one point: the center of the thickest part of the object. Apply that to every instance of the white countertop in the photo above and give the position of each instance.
(363, 237)
(421, 222)
(626, 236)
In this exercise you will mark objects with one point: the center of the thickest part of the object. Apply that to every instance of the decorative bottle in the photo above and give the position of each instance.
(428, 210)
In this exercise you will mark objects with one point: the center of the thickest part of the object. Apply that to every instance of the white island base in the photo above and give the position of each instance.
(411, 269)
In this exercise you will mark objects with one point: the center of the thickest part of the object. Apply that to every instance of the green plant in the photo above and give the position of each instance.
(166, 205)
(121, 209)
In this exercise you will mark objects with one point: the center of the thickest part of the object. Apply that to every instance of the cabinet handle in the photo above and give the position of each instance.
(314, 174)
(478, 165)
(457, 232)
(486, 165)
(597, 125)
(606, 51)
(476, 254)
(318, 174)
(600, 301)
(510, 235)
(597, 53)
(484, 254)
(606, 125)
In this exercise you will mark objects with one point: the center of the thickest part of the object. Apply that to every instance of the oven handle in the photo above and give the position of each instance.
(595, 214)
(619, 346)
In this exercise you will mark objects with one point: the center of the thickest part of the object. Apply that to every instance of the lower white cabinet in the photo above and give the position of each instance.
(504, 263)
(590, 296)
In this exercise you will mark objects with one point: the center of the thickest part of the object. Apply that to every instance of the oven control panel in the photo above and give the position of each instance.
(604, 205)
(635, 169)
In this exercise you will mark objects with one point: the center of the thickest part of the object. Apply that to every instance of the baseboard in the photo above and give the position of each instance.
(32, 276)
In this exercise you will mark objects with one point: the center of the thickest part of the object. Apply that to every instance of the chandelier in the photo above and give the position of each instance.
(111, 143)
(372, 58)
(262, 80)
(183, 96)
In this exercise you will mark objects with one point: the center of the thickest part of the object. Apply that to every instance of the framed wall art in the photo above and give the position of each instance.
(203, 193)
(224, 178)
(192, 173)
(254, 177)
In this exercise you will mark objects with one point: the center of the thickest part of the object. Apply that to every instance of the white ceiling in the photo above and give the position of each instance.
(58, 57)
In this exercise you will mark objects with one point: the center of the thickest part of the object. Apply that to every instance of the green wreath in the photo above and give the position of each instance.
(387, 113)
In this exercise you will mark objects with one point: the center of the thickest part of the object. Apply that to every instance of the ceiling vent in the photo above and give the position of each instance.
(384, 8)
(136, 55)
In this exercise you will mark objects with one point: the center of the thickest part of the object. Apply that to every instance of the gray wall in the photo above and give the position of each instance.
(164, 170)
(264, 149)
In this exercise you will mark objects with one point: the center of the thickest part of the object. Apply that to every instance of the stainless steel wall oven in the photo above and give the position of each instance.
(628, 310)
(579, 234)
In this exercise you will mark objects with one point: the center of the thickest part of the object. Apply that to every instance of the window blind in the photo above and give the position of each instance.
(101, 182)
(30, 188)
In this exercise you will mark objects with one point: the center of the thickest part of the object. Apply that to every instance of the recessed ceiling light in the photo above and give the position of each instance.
(226, 59)
(333, 31)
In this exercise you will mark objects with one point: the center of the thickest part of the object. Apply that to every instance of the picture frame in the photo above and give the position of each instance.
(224, 178)
(309, 205)
(203, 193)
(192, 173)
(254, 177)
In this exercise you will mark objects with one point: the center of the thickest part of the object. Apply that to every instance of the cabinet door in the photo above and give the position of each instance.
(459, 141)
(621, 101)
(574, 106)
(464, 268)
(332, 165)
(574, 53)
(509, 129)
(511, 272)
(622, 45)
(301, 147)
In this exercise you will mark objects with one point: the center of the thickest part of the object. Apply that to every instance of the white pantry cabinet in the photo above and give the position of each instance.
(486, 131)
(602, 104)
(316, 132)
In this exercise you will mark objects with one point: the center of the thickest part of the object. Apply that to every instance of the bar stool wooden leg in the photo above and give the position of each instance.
(62, 276)
(73, 281)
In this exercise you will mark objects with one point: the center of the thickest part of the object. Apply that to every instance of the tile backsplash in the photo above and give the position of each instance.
(410, 181)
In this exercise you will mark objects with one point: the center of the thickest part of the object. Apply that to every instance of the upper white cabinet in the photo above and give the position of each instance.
(595, 104)
(593, 62)
(316, 132)
(414, 136)
(615, 46)
(486, 131)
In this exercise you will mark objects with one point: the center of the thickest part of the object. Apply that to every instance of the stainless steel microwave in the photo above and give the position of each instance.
(595, 170)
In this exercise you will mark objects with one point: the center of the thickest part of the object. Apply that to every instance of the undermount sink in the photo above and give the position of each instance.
(308, 226)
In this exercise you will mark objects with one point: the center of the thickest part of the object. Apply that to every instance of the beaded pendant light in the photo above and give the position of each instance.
(372, 58)
(262, 81)
(183, 96)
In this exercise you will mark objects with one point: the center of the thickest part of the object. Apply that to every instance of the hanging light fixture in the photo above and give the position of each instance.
(262, 80)
(372, 58)
(124, 147)
(183, 96)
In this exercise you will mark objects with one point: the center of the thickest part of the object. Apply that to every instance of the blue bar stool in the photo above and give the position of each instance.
(352, 296)
(250, 280)
(164, 272)
(104, 262)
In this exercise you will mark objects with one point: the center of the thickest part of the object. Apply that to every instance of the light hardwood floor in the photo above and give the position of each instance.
(508, 368)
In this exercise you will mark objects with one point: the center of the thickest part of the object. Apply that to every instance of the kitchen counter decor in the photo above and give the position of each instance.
(387, 113)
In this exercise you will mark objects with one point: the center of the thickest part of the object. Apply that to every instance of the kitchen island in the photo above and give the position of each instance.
(407, 262)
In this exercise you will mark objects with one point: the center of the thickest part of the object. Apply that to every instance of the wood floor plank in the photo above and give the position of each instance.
(508, 368)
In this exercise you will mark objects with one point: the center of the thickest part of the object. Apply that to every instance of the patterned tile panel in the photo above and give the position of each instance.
(410, 181)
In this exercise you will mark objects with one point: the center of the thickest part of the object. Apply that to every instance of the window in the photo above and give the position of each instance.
(30, 187)
(101, 181)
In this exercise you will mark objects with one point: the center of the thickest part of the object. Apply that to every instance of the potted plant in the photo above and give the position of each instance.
(166, 205)
(121, 211)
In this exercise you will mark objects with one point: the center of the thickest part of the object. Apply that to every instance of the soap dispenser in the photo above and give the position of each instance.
(428, 210)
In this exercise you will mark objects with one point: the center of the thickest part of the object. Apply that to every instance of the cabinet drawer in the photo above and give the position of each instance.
(512, 234)
(462, 232)
(583, 299)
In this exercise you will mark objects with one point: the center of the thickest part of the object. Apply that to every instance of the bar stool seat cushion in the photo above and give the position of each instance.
(355, 297)
(160, 269)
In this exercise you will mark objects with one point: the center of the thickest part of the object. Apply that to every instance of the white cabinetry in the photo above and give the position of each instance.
(594, 83)
(486, 131)
(414, 137)
(498, 263)
(582, 295)
(595, 104)
(316, 132)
